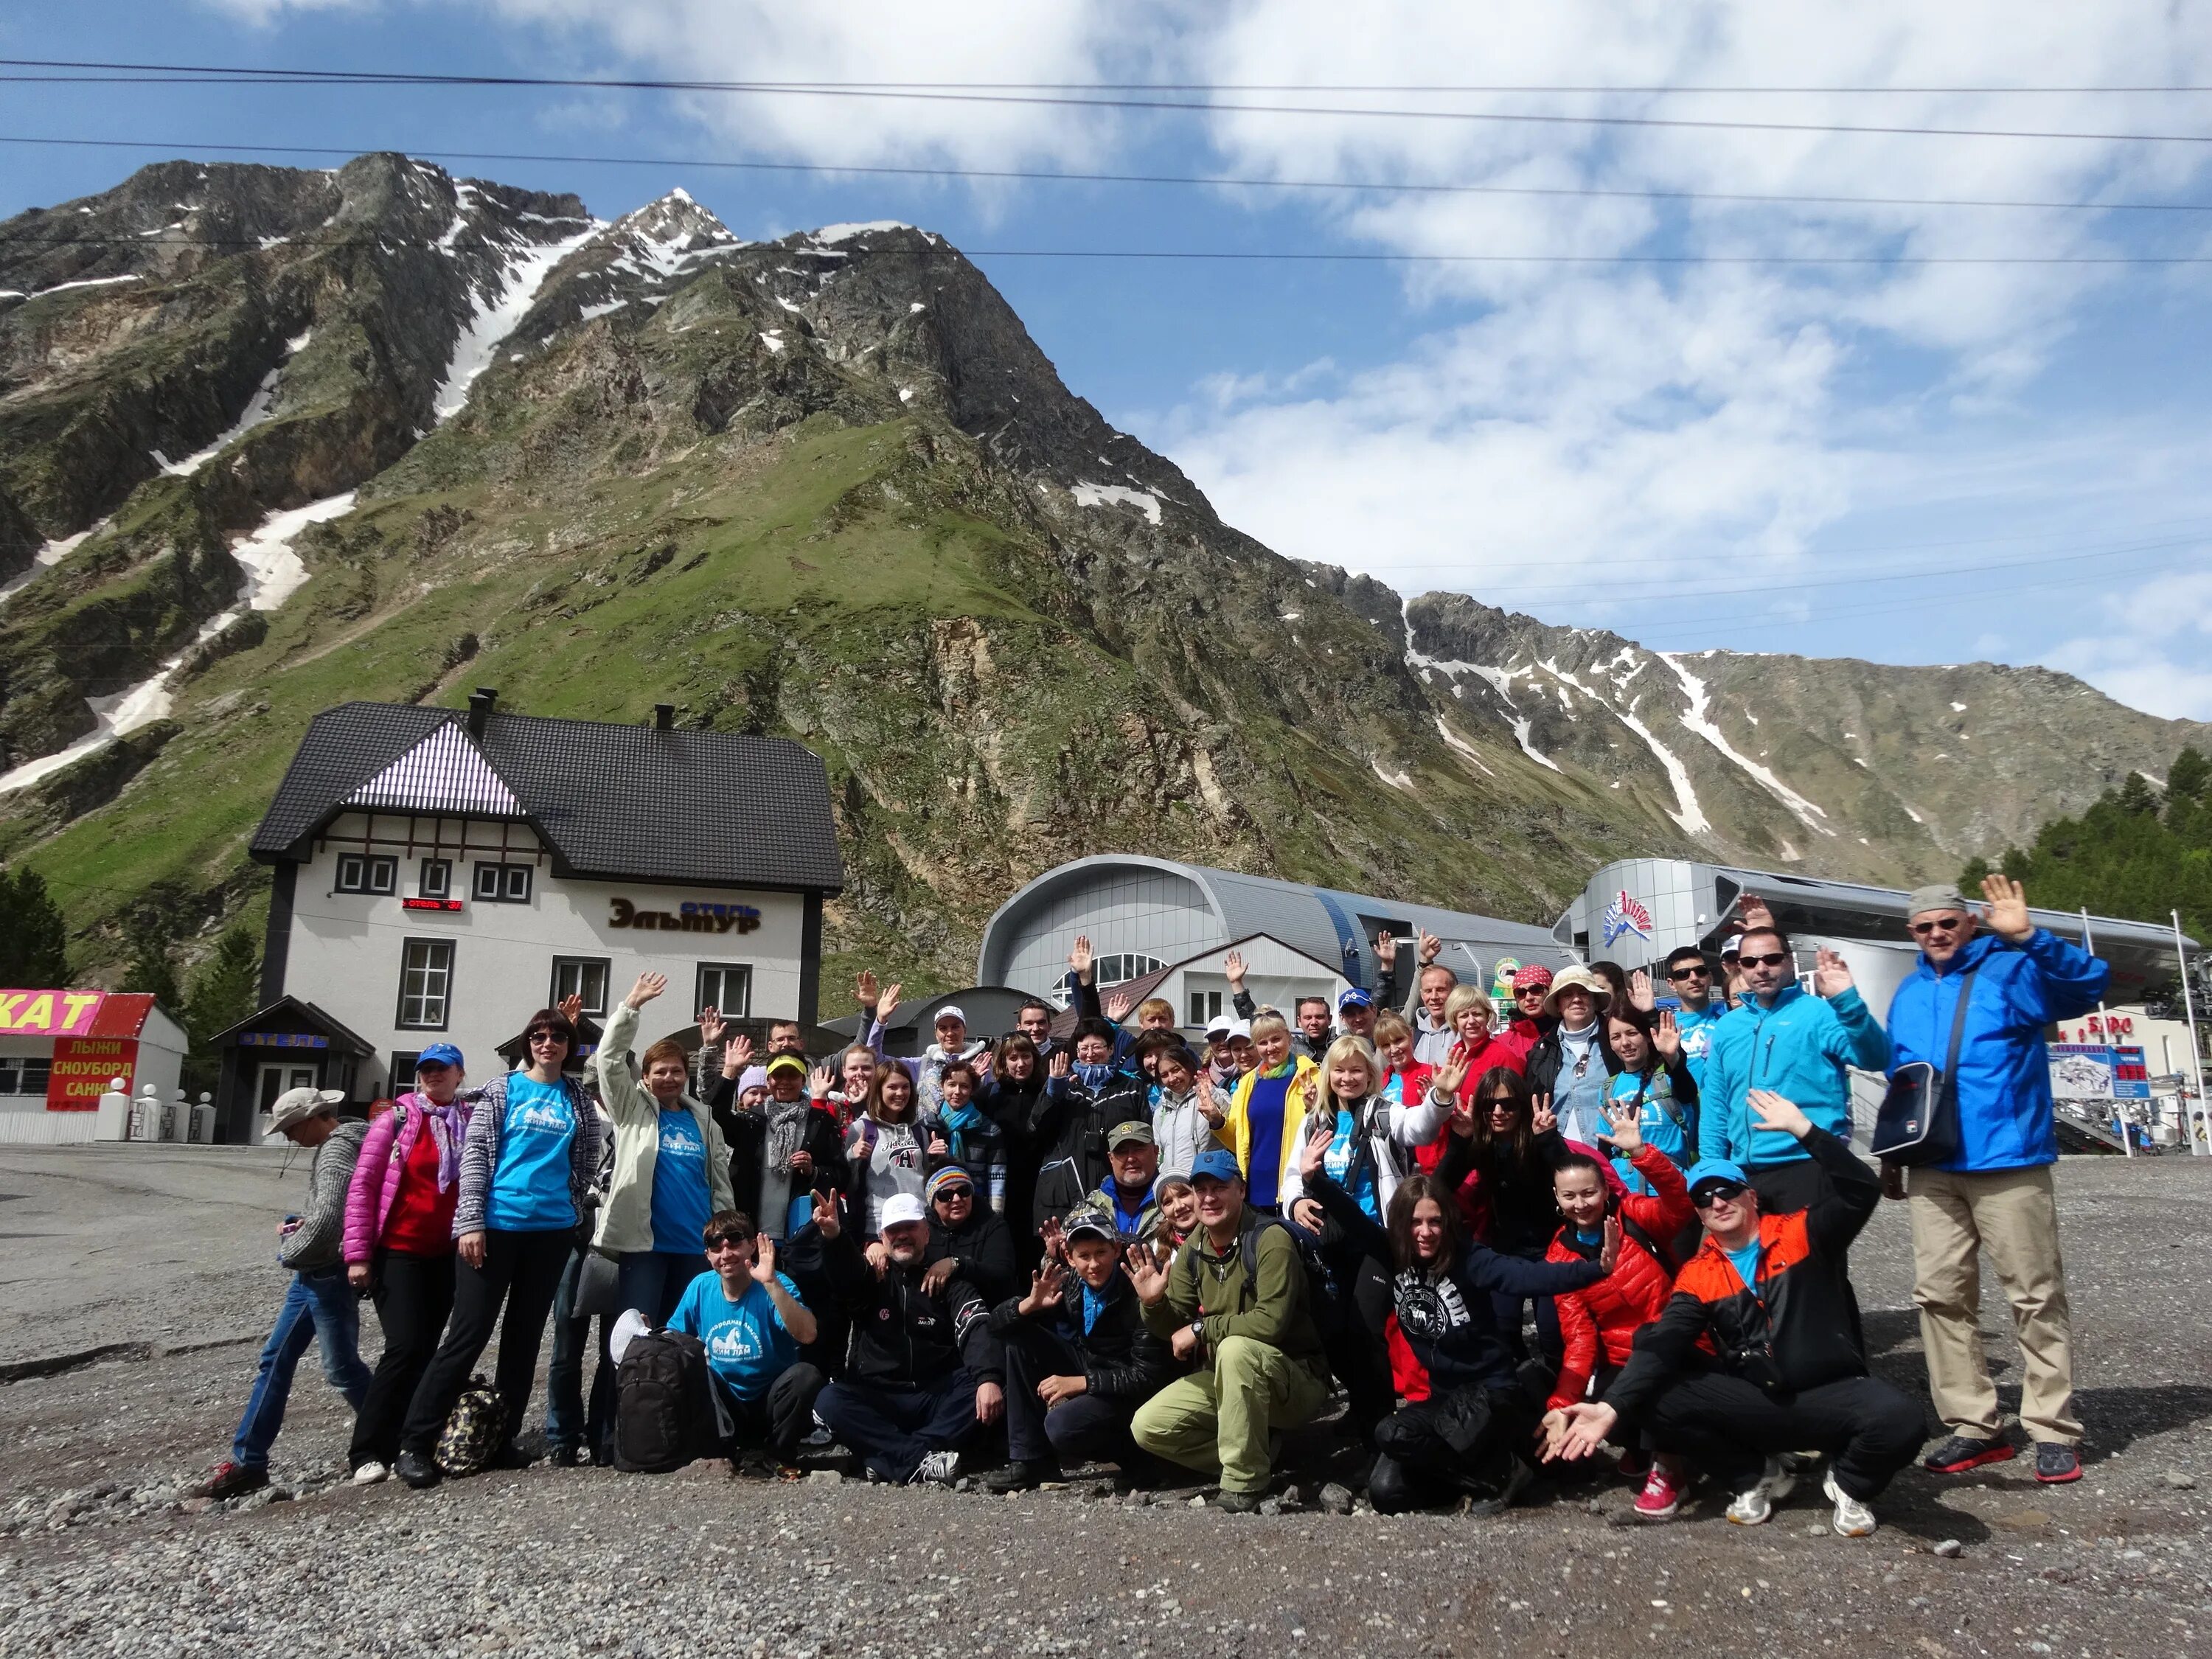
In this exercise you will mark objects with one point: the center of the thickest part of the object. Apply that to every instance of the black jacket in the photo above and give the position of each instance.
(1070, 1125)
(1121, 1359)
(983, 1250)
(1546, 1057)
(1447, 1318)
(901, 1336)
(1522, 1215)
(746, 1133)
(1796, 1330)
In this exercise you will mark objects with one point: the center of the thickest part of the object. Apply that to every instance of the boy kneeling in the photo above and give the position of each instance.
(753, 1324)
(1079, 1360)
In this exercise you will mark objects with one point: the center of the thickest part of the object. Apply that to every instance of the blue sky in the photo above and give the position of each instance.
(1911, 462)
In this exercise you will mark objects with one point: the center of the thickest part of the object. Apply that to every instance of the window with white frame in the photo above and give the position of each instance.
(1205, 1006)
(365, 872)
(582, 976)
(425, 984)
(726, 987)
(503, 884)
(437, 880)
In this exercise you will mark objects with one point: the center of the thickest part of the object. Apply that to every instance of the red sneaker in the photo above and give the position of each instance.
(1660, 1497)
(1962, 1452)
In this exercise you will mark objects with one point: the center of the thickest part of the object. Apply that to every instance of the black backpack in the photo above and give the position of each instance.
(665, 1413)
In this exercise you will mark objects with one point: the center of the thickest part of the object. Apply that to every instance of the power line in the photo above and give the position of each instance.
(1294, 256)
(211, 74)
(1047, 176)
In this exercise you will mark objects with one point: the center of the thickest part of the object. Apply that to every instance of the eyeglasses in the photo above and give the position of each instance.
(1771, 959)
(1939, 924)
(1688, 971)
(1715, 1192)
(728, 1242)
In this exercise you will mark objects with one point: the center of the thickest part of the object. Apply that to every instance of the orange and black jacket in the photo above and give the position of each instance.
(1793, 1330)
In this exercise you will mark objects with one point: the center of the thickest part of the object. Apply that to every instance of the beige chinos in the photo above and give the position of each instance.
(2014, 1215)
(1220, 1418)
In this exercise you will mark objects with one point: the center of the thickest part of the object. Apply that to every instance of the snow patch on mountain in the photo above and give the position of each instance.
(497, 312)
(1695, 718)
(1460, 746)
(1091, 495)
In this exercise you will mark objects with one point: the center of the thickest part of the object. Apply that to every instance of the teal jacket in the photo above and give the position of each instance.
(1799, 1049)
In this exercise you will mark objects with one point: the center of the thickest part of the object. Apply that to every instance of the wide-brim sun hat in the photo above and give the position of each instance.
(1578, 979)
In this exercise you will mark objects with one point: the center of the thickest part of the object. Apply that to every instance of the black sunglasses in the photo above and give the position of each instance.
(727, 1241)
(1715, 1192)
(1947, 924)
(944, 1193)
(547, 1033)
(1771, 959)
(1698, 970)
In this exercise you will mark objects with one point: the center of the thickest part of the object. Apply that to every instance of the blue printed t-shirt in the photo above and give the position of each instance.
(680, 1190)
(747, 1343)
(1696, 1030)
(1263, 1173)
(1337, 1162)
(1660, 1129)
(1746, 1264)
(530, 1182)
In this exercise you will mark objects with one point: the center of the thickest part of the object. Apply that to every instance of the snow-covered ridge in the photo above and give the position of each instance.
(498, 309)
(836, 233)
(257, 411)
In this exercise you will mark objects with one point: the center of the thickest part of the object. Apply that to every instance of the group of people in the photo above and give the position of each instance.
(1608, 1219)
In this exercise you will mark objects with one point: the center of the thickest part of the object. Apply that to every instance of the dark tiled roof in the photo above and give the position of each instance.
(615, 801)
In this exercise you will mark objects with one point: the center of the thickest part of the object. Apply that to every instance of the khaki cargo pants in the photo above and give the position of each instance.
(1220, 1418)
(2014, 1215)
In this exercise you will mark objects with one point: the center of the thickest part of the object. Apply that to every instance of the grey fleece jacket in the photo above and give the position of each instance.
(319, 1241)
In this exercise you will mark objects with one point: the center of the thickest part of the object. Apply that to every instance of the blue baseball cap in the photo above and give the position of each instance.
(440, 1054)
(1357, 997)
(1216, 1163)
(1715, 1169)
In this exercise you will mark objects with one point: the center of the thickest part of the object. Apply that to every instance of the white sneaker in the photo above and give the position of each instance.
(370, 1473)
(1853, 1519)
(1755, 1507)
(940, 1468)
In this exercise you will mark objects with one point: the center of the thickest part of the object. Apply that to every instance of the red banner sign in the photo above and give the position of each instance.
(49, 1013)
(83, 1068)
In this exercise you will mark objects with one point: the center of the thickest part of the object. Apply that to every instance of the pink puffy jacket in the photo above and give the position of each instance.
(377, 1173)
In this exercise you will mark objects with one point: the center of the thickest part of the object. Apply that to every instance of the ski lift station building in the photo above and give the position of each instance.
(1169, 922)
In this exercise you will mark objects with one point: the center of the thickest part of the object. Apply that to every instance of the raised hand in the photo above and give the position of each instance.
(1117, 1006)
(1386, 948)
(1754, 911)
(1055, 1242)
(820, 1081)
(888, 1005)
(1232, 969)
(1542, 1119)
(710, 1027)
(1047, 1290)
(1149, 1279)
(1430, 948)
(1311, 1155)
(1627, 1127)
(1447, 1078)
(1667, 1036)
(865, 988)
(648, 987)
(1211, 1106)
(1061, 1064)
(571, 1006)
(737, 1054)
(825, 1213)
(763, 1259)
(2007, 916)
(1639, 991)
(1080, 958)
(1774, 1112)
(1832, 975)
(1608, 1253)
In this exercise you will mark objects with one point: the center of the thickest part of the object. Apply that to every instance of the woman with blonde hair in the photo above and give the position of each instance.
(1476, 1046)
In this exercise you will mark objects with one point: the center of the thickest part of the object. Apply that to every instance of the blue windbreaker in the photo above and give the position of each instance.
(2005, 1119)
(1800, 1048)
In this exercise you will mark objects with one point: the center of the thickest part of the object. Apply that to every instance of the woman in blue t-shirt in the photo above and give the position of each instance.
(531, 1151)
(1655, 1079)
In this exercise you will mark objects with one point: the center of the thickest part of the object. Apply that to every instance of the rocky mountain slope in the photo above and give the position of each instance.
(430, 433)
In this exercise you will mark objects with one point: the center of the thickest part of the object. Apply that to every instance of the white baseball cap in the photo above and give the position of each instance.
(903, 1207)
(949, 1011)
(1241, 1028)
(1220, 1030)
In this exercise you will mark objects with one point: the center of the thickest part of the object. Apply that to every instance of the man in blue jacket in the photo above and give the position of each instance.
(1800, 1047)
(1995, 1195)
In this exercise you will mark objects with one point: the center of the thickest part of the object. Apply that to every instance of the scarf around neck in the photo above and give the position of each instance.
(449, 1128)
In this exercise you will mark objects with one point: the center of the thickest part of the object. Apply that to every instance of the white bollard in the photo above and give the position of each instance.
(111, 1118)
(146, 1116)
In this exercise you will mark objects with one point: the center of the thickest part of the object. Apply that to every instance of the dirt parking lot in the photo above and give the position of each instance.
(135, 1285)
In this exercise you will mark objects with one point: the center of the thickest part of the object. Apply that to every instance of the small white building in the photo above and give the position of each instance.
(59, 1050)
(440, 876)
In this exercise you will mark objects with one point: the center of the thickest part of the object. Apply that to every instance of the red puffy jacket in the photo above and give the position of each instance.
(1600, 1321)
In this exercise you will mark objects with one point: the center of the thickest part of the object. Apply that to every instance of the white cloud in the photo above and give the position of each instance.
(2153, 650)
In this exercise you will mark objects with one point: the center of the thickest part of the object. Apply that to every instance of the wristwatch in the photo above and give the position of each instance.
(1198, 1330)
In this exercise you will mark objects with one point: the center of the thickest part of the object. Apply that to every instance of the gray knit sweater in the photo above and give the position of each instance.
(319, 1241)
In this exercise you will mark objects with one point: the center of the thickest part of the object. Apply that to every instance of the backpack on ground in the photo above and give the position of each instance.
(474, 1430)
(665, 1413)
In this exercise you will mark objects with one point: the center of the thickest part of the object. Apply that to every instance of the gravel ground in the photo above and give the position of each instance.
(158, 1251)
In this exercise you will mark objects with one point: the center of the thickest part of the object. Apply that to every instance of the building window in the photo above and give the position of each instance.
(437, 879)
(1204, 1007)
(425, 984)
(403, 1069)
(24, 1074)
(358, 873)
(582, 976)
(503, 884)
(726, 987)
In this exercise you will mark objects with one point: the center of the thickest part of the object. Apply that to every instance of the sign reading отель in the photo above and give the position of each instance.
(48, 1013)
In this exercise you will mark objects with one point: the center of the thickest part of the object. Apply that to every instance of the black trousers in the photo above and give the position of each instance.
(779, 1418)
(521, 1271)
(1457, 1443)
(1083, 1427)
(1729, 1427)
(413, 1296)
